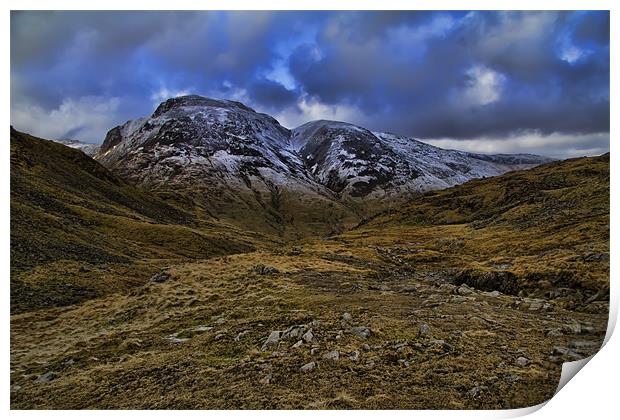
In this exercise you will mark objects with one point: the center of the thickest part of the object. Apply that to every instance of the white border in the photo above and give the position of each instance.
(591, 395)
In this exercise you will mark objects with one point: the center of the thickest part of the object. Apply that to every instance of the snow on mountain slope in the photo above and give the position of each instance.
(90, 149)
(231, 159)
(356, 162)
(236, 161)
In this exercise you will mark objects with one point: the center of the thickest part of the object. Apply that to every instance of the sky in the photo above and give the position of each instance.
(493, 82)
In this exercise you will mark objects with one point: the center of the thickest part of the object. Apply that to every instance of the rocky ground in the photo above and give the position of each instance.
(307, 327)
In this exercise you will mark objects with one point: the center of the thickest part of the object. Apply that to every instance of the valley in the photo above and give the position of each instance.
(196, 264)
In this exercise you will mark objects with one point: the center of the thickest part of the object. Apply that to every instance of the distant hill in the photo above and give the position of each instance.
(89, 148)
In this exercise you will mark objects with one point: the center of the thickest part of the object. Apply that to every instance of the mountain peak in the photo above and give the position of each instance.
(198, 101)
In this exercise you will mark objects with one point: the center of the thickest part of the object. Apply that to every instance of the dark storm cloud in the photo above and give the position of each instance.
(456, 75)
(271, 94)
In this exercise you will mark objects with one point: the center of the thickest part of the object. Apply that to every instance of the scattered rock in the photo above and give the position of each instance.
(384, 288)
(464, 290)
(297, 344)
(399, 346)
(241, 335)
(510, 377)
(174, 339)
(572, 328)
(47, 377)
(563, 351)
(332, 355)
(595, 256)
(266, 380)
(160, 277)
(476, 391)
(354, 356)
(294, 331)
(584, 347)
(494, 294)
(218, 337)
(314, 350)
(424, 331)
(365, 347)
(535, 306)
(265, 270)
(309, 337)
(272, 341)
(523, 361)
(346, 317)
(308, 367)
(554, 332)
(203, 328)
(362, 331)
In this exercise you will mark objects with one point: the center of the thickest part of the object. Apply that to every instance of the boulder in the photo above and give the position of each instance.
(362, 331)
(424, 331)
(308, 367)
(272, 341)
(332, 355)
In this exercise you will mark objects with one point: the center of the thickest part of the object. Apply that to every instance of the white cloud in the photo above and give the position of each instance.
(164, 94)
(87, 118)
(405, 35)
(554, 145)
(571, 53)
(484, 85)
(310, 109)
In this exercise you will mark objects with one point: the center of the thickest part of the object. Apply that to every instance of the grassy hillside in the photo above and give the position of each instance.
(72, 221)
(541, 231)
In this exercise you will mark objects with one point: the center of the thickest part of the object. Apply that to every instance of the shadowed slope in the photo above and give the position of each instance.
(72, 221)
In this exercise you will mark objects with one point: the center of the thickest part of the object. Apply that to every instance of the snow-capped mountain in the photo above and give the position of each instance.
(356, 162)
(233, 159)
(90, 149)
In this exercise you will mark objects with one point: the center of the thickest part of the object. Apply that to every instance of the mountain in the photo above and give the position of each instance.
(237, 163)
(358, 163)
(72, 220)
(231, 160)
(90, 149)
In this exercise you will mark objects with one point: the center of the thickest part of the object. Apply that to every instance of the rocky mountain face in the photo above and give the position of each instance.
(358, 163)
(230, 160)
(235, 162)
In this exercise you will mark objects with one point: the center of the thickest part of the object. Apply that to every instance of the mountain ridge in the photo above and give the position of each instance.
(237, 163)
